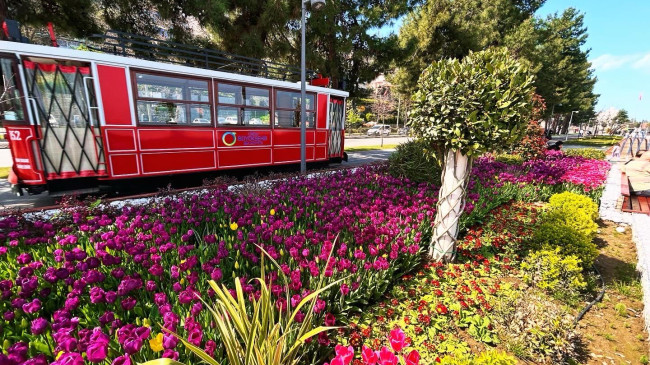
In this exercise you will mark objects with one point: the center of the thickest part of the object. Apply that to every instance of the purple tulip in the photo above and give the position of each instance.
(122, 360)
(39, 325)
(97, 351)
(32, 307)
(128, 303)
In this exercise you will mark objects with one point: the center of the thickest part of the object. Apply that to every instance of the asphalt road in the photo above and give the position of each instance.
(8, 200)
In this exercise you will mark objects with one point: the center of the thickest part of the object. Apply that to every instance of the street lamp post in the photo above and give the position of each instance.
(566, 138)
(315, 5)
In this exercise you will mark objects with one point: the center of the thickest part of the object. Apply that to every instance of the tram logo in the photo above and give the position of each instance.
(229, 138)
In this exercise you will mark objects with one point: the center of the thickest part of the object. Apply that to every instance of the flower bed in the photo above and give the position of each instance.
(99, 284)
(434, 304)
(95, 284)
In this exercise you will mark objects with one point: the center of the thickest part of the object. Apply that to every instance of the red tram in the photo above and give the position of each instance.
(123, 112)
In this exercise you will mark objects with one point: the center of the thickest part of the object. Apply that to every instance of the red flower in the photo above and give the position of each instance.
(413, 358)
(441, 309)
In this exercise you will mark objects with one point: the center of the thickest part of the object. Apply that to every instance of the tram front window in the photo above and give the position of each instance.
(11, 100)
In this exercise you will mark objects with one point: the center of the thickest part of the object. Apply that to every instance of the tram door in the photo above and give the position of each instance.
(337, 120)
(62, 101)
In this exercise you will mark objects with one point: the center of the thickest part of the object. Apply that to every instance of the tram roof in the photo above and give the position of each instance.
(33, 50)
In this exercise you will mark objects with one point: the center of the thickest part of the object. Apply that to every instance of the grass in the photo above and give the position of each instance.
(370, 148)
(627, 282)
(598, 141)
(4, 172)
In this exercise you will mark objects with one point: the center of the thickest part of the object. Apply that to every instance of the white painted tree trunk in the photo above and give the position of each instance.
(451, 203)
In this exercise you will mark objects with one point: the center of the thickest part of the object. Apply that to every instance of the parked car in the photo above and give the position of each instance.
(379, 129)
(404, 131)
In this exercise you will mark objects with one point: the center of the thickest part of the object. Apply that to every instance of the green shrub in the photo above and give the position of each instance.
(574, 210)
(491, 357)
(414, 161)
(591, 153)
(560, 276)
(569, 201)
(534, 328)
(533, 143)
(510, 159)
(554, 234)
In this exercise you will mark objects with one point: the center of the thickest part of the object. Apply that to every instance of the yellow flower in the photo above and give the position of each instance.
(59, 355)
(272, 212)
(146, 322)
(233, 226)
(156, 343)
(236, 264)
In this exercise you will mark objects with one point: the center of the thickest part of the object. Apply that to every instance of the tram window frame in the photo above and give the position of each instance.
(186, 100)
(18, 85)
(240, 105)
(296, 109)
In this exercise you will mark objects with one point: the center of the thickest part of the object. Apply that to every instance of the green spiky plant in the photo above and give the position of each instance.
(254, 333)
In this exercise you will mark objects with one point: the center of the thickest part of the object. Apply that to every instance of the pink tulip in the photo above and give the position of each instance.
(369, 356)
(397, 339)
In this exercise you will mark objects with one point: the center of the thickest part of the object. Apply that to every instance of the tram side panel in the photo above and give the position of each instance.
(118, 131)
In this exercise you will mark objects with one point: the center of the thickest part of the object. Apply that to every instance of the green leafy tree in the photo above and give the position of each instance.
(76, 17)
(452, 28)
(622, 117)
(343, 44)
(463, 109)
(563, 76)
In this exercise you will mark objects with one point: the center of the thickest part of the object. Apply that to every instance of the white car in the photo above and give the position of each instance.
(231, 120)
(379, 129)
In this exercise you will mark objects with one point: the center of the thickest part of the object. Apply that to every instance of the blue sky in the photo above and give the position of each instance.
(619, 39)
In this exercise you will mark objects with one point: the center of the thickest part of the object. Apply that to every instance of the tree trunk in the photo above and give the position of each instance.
(451, 203)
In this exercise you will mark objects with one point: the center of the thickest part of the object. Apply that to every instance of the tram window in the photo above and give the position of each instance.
(257, 97)
(291, 100)
(287, 114)
(11, 101)
(230, 94)
(227, 115)
(291, 119)
(174, 100)
(257, 117)
(243, 105)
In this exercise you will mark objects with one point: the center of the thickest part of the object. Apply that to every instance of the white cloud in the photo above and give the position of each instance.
(643, 63)
(610, 62)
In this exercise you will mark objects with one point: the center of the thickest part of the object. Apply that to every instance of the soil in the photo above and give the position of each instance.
(612, 331)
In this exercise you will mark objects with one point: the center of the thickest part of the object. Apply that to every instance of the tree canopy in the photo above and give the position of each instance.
(553, 46)
(478, 104)
(441, 29)
(340, 39)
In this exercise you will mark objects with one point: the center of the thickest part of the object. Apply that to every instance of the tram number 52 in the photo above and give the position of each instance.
(14, 135)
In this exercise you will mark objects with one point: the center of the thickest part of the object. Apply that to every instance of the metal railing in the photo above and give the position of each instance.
(142, 47)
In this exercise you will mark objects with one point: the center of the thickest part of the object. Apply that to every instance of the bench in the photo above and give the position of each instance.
(631, 202)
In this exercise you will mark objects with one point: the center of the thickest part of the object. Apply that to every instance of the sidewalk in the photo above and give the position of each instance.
(640, 224)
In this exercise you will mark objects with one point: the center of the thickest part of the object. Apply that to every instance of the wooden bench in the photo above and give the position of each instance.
(633, 203)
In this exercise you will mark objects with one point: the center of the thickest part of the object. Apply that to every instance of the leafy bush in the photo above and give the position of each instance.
(414, 161)
(554, 234)
(534, 328)
(569, 200)
(510, 159)
(491, 357)
(533, 144)
(267, 337)
(574, 210)
(590, 153)
(560, 276)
